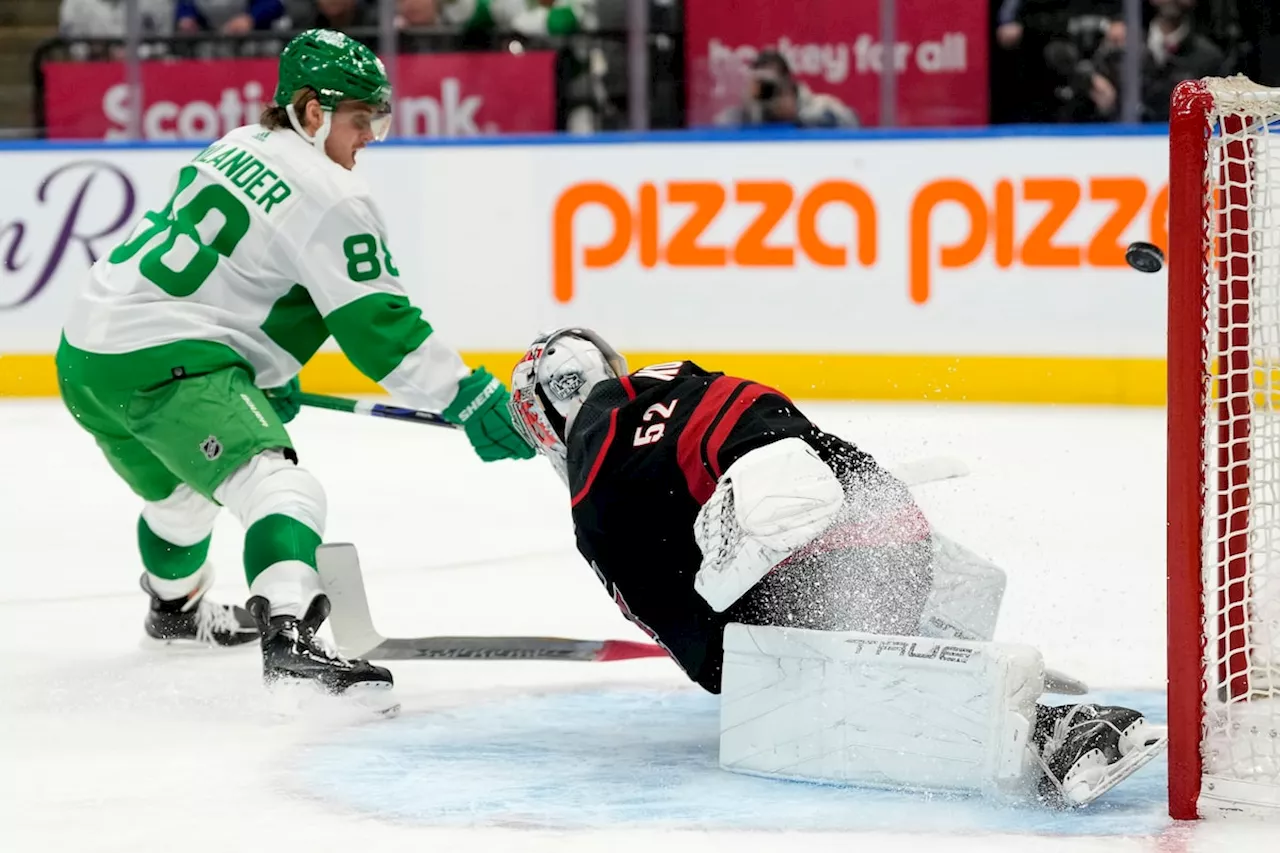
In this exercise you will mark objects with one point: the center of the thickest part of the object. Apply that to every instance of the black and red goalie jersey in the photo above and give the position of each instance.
(644, 453)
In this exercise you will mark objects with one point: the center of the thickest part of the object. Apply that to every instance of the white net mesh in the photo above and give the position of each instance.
(1241, 560)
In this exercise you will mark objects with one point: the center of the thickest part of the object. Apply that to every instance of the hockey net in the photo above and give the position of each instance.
(1224, 449)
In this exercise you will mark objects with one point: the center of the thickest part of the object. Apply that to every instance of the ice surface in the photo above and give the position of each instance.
(108, 747)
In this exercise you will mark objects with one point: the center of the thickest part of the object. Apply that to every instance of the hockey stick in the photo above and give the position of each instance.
(377, 410)
(353, 631)
(916, 473)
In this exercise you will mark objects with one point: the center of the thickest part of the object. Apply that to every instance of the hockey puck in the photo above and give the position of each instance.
(1144, 257)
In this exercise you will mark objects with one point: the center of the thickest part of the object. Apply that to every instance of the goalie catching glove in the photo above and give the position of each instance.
(480, 408)
(768, 504)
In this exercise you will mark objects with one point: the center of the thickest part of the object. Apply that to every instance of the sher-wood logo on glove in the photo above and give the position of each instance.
(474, 406)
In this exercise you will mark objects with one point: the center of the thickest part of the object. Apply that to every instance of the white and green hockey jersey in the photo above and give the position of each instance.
(265, 248)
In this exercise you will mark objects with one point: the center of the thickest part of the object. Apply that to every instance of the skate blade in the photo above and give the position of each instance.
(184, 646)
(1092, 783)
(1141, 736)
(291, 698)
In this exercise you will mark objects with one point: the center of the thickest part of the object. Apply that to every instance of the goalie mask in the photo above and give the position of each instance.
(550, 383)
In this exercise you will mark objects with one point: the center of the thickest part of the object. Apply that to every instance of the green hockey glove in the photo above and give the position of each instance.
(481, 408)
(285, 399)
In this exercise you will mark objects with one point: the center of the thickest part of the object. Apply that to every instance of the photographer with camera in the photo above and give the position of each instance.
(1175, 52)
(1085, 61)
(774, 97)
(1087, 64)
(1031, 29)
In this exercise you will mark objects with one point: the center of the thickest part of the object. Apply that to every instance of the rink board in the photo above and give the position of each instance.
(978, 265)
(991, 379)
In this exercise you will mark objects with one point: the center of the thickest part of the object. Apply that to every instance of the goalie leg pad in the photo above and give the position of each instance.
(878, 710)
(964, 602)
(878, 589)
(766, 505)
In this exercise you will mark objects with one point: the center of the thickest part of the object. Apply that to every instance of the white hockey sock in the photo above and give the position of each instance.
(290, 586)
(181, 587)
(270, 491)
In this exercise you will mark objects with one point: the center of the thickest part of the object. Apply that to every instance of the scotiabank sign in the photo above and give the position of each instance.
(835, 48)
(447, 95)
(774, 224)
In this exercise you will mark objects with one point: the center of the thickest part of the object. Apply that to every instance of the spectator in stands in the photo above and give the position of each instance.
(1261, 19)
(229, 17)
(1259, 22)
(417, 13)
(106, 18)
(1174, 52)
(341, 15)
(773, 97)
(1051, 19)
(527, 17)
(1040, 33)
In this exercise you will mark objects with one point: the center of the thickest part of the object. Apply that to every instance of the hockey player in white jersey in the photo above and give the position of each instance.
(180, 357)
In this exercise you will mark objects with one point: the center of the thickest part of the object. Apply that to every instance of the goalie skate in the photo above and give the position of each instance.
(1086, 750)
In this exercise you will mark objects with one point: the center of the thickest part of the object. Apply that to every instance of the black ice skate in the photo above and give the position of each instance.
(194, 620)
(1086, 750)
(291, 653)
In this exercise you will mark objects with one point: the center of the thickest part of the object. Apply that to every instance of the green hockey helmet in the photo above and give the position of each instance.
(337, 68)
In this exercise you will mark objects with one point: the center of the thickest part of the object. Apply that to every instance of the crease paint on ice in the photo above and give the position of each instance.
(647, 758)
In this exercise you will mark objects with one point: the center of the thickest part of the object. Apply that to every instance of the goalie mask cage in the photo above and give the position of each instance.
(1224, 449)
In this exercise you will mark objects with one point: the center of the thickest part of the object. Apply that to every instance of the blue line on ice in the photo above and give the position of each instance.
(647, 758)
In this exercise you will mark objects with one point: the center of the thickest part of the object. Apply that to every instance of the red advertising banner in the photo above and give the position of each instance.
(834, 48)
(449, 94)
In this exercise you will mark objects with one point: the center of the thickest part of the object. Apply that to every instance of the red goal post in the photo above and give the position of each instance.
(1224, 449)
